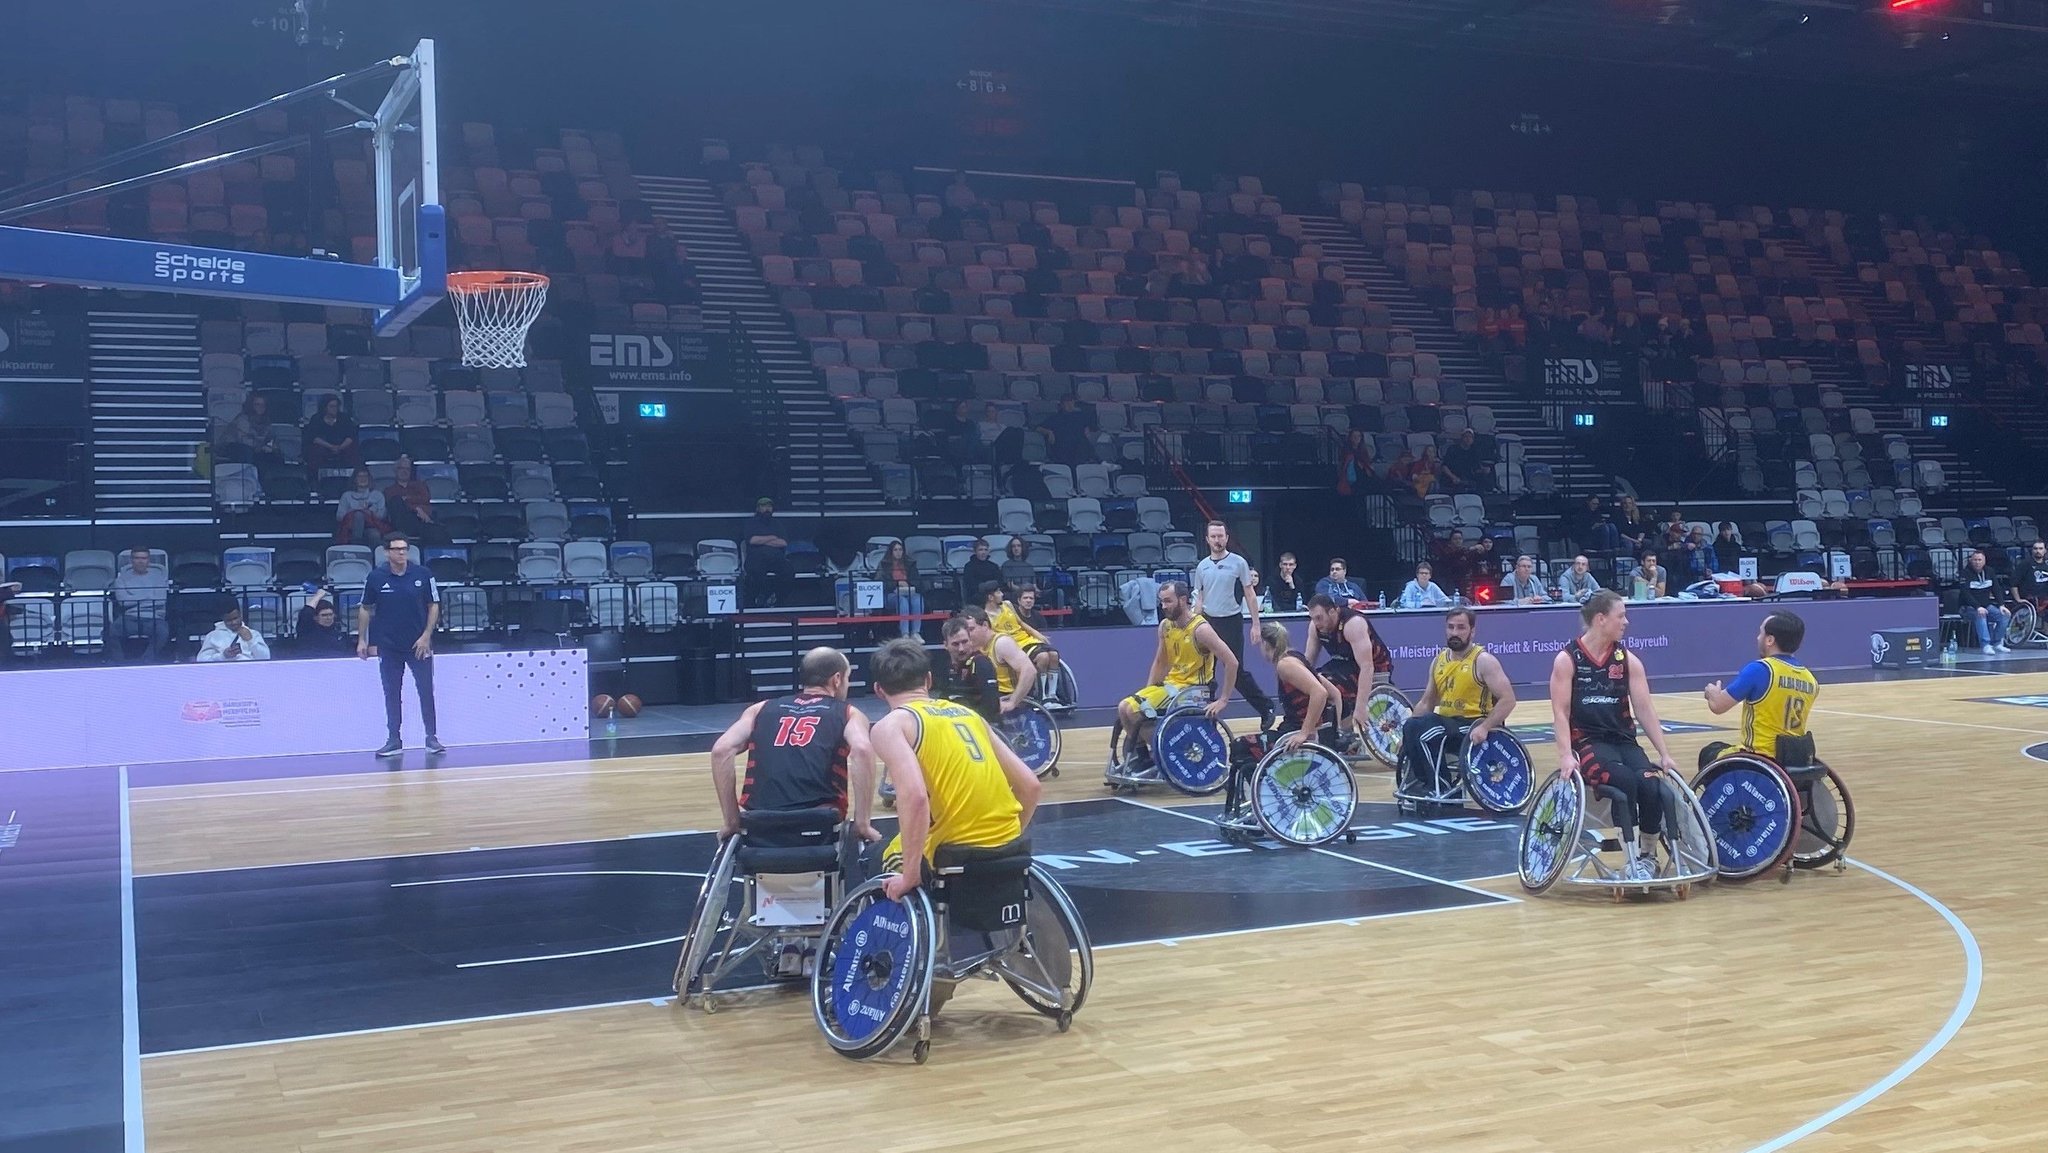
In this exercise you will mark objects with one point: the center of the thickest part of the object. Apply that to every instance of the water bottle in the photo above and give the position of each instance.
(611, 724)
(1948, 651)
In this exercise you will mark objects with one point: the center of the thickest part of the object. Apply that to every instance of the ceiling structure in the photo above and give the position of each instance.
(1991, 45)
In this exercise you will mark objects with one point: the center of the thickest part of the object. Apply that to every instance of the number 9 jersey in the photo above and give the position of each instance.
(1777, 695)
(972, 803)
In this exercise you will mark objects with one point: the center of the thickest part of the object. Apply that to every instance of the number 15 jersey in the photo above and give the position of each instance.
(796, 758)
(970, 795)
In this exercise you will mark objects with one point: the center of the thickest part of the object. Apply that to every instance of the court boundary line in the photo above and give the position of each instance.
(131, 1015)
(1966, 1003)
(1491, 897)
(2042, 733)
(392, 782)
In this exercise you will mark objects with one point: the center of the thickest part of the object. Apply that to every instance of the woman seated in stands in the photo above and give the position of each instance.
(250, 434)
(329, 440)
(360, 517)
(1424, 475)
(408, 503)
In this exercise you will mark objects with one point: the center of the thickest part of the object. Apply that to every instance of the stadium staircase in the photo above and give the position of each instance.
(1968, 488)
(1484, 384)
(148, 413)
(828, 474)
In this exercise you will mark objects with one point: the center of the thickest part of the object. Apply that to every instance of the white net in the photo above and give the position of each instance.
(494, 310)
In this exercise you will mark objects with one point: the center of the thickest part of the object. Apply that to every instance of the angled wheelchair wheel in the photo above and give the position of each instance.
(1498, 774)
(706, 917)
(1687, 833)
(1192, 751)
(1053, 966)
(1386, 710)
(2026, 623)
(1551, 832)
(1304, 796)
(1034, 736)
(1070, 689)
(1753, 812)
(1826, 822)
(874, 973)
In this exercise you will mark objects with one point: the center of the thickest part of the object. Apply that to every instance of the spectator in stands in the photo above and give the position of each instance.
(959, 436)
(767, 556)
(1698, 555)
(1465, 464)
(361, 516)
(978, 573)
(1354, 468)
(1514, 327)
(1453, 559)
(1632, 527)
(1523, 585)
(1672, 552)
(251, 432)
(1485, 563)
(319, 631)
(1724, 554)
(233, 640)
(1593, 526)
(1628, 335)
(1339, 586)
(329, 440)
(1402, 471)
(898, 574)
(141, 592)
(1981, 595)
(1017, 571)
(1593, 329)
(1070, 433)
(408, 502)
(1422, 592)
(1283, 595)
(1424, 476)
(1647, 579)
(1577, 584)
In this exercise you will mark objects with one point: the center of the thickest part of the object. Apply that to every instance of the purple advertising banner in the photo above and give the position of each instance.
(1676, 638)
(282, 708)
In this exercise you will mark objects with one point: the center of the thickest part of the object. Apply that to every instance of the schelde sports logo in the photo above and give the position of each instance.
(1878, 647)
(192, 268)
(200, 712)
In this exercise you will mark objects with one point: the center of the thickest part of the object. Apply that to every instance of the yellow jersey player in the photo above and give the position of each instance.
(1776, 693)
(1469, 696)
(956, 782)
(1190, 656)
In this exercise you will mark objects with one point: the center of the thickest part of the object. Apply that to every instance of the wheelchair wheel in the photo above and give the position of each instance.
(874, 971)
(1686, 831)
(1551, 832)
(1498, 774)
(1753, 811)
(1034, 736)
(2025, 624)
(1070, 689)
(1386, 710)
(1192, 751)
(1827, 821)
(705, 917)
(1304, 797)
(1054, 953)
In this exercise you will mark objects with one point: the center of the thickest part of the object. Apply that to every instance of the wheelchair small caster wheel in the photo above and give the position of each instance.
(1684, 892)
(1785, 875)
(1053, 772)
(1350, 837)
(1065, 1021)
(921, 1052)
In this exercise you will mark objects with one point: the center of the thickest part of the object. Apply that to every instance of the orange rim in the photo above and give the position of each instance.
(460, 283)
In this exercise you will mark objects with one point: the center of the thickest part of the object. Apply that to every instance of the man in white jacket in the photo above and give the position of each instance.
(231, 640)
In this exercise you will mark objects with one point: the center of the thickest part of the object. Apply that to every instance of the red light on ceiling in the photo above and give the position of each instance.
(1900, 4)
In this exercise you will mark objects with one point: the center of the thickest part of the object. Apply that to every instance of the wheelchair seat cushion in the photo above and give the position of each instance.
(989, 892)
(803, 859)
(789, 828)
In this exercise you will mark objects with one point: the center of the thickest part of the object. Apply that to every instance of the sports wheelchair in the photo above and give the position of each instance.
(886, 966)
(1033, 734)
(1302, 796)
(1497, 774)
(1387, 709)
(1069, 694)
(2027, 626)
(1784, 813)
(1187, 749)
(791, 865)
(1570, 835)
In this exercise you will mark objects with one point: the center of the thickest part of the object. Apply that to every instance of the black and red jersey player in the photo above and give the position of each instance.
(808, 750)
(1598, 691)
(1343, 632)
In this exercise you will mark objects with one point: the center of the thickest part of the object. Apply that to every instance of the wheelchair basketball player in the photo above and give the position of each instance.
(992, 675)
(1469, 696)
(807, 750)
(1776, 693)
(1348, 637)
(1190, 657)
(1598, 692)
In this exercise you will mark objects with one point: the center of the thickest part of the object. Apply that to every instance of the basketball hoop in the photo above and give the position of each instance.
(494, 310)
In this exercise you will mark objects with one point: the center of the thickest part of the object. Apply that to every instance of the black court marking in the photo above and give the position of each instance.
(253, 955)
(2026, 701)
(2037, 752)
(1539, 734)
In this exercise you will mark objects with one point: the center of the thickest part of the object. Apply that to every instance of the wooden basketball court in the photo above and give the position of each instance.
(1729, 1022)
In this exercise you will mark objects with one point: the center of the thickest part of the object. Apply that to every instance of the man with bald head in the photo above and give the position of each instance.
(808, 750)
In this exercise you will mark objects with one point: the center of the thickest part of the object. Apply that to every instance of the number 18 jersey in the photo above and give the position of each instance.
(796, 758)
(970, 796)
